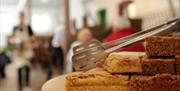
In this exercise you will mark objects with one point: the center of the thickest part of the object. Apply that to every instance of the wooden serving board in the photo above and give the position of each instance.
(56, 84)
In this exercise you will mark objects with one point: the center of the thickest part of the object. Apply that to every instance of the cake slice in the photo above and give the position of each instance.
(96, 80)
(99, 88)
(152, 66)
(162, 45)
(124, 62)
(160, 82)
(178, 64)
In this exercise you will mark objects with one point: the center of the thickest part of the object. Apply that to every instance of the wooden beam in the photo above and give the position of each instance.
(29, 11)
(171, 7)
(67, 22)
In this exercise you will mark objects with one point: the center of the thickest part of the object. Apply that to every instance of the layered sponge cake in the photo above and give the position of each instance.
(99, 88)
(103, 81)
(124, 62)
(137, 62)
(97, 80)
(162, 45)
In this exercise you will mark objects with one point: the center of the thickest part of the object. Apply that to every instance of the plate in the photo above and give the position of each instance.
(56, 84)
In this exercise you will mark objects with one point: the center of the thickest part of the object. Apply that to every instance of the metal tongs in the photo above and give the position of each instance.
(94, 53)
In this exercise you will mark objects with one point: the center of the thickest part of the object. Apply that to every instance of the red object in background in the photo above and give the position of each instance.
(122, 33)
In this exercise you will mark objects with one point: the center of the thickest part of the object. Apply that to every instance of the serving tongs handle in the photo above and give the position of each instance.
(161, 29)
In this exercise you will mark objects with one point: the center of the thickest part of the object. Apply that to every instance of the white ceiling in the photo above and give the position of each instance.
(36, 3)
(8, 2)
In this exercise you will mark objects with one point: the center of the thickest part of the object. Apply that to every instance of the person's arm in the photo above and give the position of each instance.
(30, 31)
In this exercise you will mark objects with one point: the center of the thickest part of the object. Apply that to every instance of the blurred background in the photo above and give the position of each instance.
(37, 37)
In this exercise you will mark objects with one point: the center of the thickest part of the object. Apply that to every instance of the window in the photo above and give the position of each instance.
(41, 23)
(7, 22)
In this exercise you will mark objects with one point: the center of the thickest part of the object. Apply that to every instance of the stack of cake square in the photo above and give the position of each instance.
(158, 69)
(165, 48)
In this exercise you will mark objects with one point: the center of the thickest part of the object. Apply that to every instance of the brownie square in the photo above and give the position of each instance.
(162, 45)
(178, 64)
(152, 66)
(160, 82)
(177, 46)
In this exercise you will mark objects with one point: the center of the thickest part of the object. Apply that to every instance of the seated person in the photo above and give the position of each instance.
(4, 60)
(122, 28)
(83, 36)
